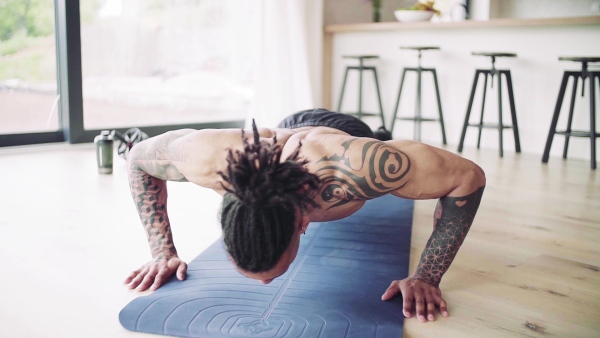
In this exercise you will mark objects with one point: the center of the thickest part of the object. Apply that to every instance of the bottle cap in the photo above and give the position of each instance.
(104, 135)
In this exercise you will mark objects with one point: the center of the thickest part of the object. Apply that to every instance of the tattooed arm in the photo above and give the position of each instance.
(185, 156)
(459, 184)
(151, 163)
(452, 220)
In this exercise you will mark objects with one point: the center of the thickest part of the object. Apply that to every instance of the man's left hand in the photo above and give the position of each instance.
(417, 293)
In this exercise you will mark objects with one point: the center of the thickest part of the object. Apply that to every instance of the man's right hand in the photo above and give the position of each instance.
(155, 273)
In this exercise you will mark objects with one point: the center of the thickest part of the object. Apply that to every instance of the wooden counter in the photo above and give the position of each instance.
(387, 26)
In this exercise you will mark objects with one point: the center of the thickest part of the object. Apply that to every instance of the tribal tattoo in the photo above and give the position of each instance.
(378, 170)
(452, 221)
(150, 198)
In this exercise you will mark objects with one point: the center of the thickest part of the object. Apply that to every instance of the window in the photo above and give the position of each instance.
(28, 95)
(157, 62)
(154, 64)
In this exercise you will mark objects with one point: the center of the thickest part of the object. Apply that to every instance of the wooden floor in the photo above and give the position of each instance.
(530, 265)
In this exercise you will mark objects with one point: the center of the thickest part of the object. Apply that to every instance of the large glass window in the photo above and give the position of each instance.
(28, 95)
(158, 62)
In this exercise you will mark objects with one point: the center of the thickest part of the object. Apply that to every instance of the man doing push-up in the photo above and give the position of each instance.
(316, 166)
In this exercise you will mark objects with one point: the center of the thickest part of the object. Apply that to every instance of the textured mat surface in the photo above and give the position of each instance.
(333, 288)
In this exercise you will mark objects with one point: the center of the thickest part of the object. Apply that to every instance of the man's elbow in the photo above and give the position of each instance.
(471, 179)
(478, 176)
(133, 157)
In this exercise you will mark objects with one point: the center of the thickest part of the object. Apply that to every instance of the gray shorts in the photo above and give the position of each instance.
(320, 117)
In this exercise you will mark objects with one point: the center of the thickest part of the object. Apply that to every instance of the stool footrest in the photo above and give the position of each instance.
(487, 125)
(422, 119)
(412, 69)
(576, 133)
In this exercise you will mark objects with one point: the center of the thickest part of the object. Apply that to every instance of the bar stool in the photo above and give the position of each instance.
(511, 99)
(418, 118)
(361, 68)
(584, 74)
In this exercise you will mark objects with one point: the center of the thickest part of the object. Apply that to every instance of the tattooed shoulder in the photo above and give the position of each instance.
(166, 147)
(361, 170)
(160, 155)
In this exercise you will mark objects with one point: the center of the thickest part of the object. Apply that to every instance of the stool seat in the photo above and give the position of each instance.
(360, 57)
(494, 54)
(420, 48)
(584, 76)
(417, 118)
(579, 58)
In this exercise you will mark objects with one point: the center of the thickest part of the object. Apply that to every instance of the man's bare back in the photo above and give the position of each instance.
(352, 170)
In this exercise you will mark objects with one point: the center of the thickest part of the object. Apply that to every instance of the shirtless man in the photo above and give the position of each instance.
(319, 166)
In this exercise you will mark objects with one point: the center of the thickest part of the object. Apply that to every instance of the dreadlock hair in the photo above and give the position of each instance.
(258, 213)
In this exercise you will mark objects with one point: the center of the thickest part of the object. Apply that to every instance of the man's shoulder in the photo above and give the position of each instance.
(322, 136)
(313, 140)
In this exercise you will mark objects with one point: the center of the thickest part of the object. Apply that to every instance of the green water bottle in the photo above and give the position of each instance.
(104, 152)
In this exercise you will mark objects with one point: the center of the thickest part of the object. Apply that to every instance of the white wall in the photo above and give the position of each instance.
(359, 11)
(536, 76)
(314, 11)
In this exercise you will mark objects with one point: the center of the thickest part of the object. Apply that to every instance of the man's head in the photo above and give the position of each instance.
(262, 215)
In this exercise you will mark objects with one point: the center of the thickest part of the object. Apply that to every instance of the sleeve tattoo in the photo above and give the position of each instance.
(149, 171)
(150, 198)
(452, 220)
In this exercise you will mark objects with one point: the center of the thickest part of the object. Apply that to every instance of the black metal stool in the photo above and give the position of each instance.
(584, 74)
(511, 98)
(360, 113)
(418, 118)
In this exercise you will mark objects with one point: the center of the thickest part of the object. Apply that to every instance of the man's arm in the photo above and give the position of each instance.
(194, 156)
(459, 184)
(452, 221)
(150, 164)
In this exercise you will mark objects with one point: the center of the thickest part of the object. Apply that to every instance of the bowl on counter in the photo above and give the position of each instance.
(413, 15)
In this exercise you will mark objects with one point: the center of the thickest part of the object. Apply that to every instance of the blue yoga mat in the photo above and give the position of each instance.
(333, 288)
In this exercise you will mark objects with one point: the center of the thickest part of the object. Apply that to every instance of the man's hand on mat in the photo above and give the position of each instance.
(417, 293)
(155, 273)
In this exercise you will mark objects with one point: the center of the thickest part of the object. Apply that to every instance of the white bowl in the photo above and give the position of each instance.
(413, 15)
